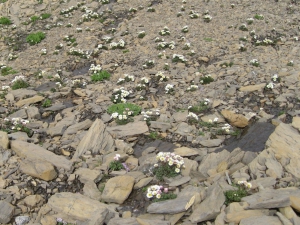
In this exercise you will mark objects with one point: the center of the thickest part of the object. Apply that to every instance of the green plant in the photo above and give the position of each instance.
(47, 103)
(225, 64)
(19, 84)
(235, 195)
(165, 196)
(154, 135)
(33, 19)
(2, 1)
(258, 17)
(35, 38)
(45, 16)
(206, 79)
(100, 76)
(115, 165)
(208, 39)
(5, 21)
(125, 51)
(7, 70)
(201, 107)
(121, 107)
(164, 170)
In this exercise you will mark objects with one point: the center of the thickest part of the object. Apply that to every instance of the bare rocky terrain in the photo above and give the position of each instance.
(213, 81)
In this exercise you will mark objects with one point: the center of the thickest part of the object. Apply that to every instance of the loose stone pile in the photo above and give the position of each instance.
(212, 85)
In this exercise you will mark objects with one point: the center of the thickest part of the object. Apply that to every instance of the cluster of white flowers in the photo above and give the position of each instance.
(78, 82)
(177, 57)
(104, 1)
(254, 62)
(206, 101)
(171, 159)
(145, 80)
(95, 69)
(161, 77)
(226, 127)
(70, 9)
(44, 51)
(164, 45)
(14, 26)
(79, 52)
(79, 29)
(89, 15)
(165, 31)
(245, 183)
(243, 27)
(107, 39)
(187, 46)
(15, 122)
(192, 116)
(242, 47)
(207, 18)
(132, 9)
(296, 38)
(4, 88)
(69, 25)
(185, 29)
(192, 87)
(12, 56)
(141, 34)
(121, 94)
(17, 78)
(147, 115)
(169, 88)
(155, 191)
(270, 85)
(250, 20)
(119, 44)
(128, 77)
(193, 14)
(213, 121)
(124, 116)
(275, 77)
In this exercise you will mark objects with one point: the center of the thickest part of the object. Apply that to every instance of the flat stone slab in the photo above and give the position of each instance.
(31, 151)
(129, 129)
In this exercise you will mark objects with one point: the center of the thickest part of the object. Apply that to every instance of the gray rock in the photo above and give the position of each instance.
(78, 207)
(180, 116)
(4, 156)
(96, 140)
(35, 152)
(177, 181)
(38, 168)
(88, 175)
(210, 207)
(90, 190)
(21, 93)
(129, 129)
(33, 113)
(184, 129)
(270, 198)
(56, 107)
(22, 220)
(20, 113)
(6, 212)
(160, 125)
(78, 126)
(118, 221)
(4, 141)
(96, 108)
(211, 143)
(261, 220)
(117, 189)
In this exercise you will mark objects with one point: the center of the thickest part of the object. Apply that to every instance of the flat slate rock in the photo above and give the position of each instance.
(251, 141)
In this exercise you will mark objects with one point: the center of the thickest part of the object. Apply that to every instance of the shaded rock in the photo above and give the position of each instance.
(4, 142)
(78, 207)
(20, 113)
(96, 140)
(35, 152)
(261, 220)
(29, 101)
(236, 120)
(177, 181)
(129, 129)
(210, 207)
(38, 168)
(251, 141)
(4, 156)
(295, 202)
(289, 214)
(160, 125)
(6, 212)
(117, 189)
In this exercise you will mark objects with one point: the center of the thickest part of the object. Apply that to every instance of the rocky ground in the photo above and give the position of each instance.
(238, 122)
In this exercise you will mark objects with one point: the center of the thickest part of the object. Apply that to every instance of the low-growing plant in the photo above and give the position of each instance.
(33, 19)
(258, 17)
(47, 103)
(35, 38)
(45, 16)
(5, 21)
(225, 64)
(121, 107)
(19, 84)
(116, 165)
(7, 70)
(159, 193)
(100, 76)
(206, 79)
(201, 107)
(154, 135)
(16, 124)
(169, 165)
(237, 195)
(165, 196)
